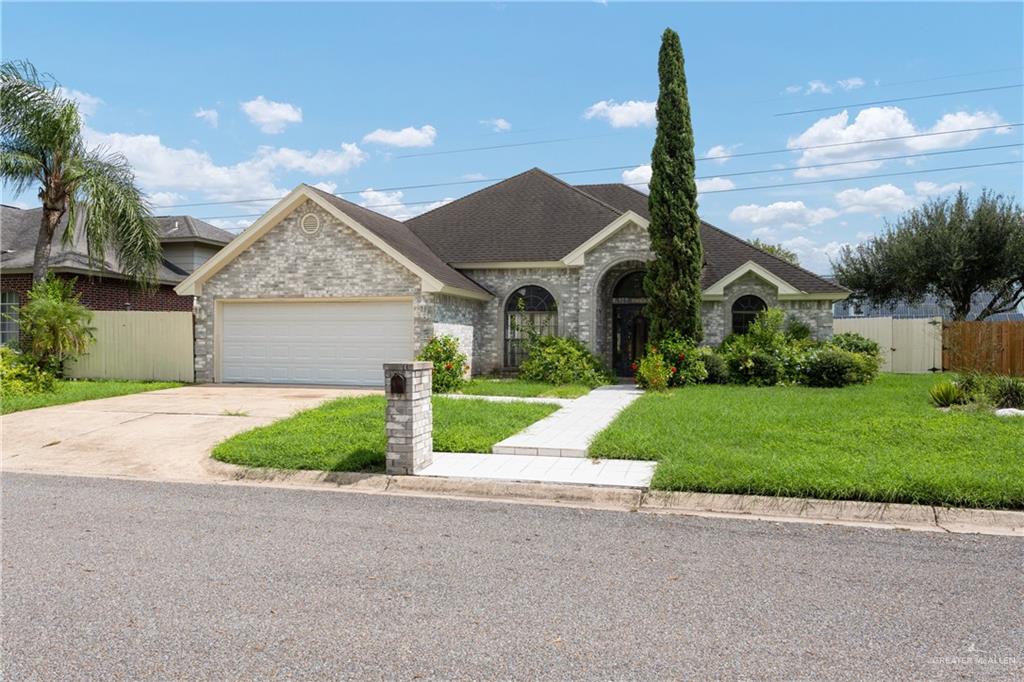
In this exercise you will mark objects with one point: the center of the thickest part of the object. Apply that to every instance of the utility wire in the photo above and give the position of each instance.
(711, 191)
(899, 99)
(634, 165)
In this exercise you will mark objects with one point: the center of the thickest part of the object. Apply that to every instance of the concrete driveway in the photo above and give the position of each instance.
(160, 435)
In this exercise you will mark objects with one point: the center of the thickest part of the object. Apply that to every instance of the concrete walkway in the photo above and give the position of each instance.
(568, 432)
(574, 470)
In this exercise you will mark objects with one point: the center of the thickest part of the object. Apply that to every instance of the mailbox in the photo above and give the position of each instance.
(397, 384)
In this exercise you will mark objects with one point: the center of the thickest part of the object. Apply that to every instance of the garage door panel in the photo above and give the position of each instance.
(314, 342)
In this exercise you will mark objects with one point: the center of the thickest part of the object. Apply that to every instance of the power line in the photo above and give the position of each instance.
(712, 191)
(900, 99)
(613, 168)
(504, 146)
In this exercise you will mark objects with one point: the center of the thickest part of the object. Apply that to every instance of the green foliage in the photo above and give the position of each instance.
(776, 250)
(831, 367)
(853, 341)
(684, 362)
(42, 144)
(65, 391)
(652, 372)
(715, 366)
(54, 324)
(951, 249)
(754, 366)
(1007, 392)
(672, 281)
(450, 364)
(797, 330)
(20, 376)
(947, 394)
(975, 385)
(562, 360)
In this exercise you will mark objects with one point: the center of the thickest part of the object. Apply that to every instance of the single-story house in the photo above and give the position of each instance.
(187, 243)
(321, 290)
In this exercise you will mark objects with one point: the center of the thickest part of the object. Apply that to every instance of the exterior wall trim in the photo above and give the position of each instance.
(578, 255)
(784, 287)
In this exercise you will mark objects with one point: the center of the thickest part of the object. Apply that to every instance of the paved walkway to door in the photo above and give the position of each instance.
(568, 432)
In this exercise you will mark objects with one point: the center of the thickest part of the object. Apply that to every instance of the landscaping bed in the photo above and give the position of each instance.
(66, 391)
(522, 388)
(882, 442)
(348, 434)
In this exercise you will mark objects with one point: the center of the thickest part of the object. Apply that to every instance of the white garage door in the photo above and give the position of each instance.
(314, 343)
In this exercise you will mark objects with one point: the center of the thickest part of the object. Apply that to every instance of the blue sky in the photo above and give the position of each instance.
(225, 102)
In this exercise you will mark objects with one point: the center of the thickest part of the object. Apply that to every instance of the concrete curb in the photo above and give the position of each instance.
(784, 509)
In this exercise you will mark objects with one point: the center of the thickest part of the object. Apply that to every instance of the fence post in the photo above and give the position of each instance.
(410, 418)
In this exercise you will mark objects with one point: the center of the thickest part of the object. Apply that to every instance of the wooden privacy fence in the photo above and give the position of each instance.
(996, 347)
(138, 345)
(907, 346)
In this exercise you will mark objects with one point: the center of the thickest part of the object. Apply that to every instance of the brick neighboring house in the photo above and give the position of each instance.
(187, 243)
(321, 290)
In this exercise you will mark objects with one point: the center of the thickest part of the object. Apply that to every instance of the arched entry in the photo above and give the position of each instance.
(744, 310)
(629, 325)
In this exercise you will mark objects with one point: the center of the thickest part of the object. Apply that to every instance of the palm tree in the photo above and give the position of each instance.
(41, 142)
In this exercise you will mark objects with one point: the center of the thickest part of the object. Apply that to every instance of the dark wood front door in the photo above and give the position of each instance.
(629, 336)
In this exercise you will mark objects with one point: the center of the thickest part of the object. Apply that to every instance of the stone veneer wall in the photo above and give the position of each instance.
(288, 263)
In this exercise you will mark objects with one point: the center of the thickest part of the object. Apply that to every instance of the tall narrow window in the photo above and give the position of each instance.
(744, 310)
(529, 309)
(8, 317)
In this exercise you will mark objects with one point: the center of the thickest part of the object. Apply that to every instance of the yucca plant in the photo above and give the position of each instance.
(947, 394)
(1007, 392)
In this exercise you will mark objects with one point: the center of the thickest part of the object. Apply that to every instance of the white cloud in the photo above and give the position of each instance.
(851, 83)
(498, 125)
(271, 117)
(328, 187)
(715, 184)
(210, 116)
(406, 137)
(876, 123)
(793, 89)
(473, 176)
(629, 114)
(764, 233)
(320, 162)
(158, 199)
(927, 189)
(641, 175)
(87, 104)
(877, 201)
(392, 205)
(721, 150)
(813, 256)
(818, 87)
(788, 214)
(234, 225)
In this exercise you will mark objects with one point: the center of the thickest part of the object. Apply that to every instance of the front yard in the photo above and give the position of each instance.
(348, 434)
(65, 391)
(523, 389)
(881, 442)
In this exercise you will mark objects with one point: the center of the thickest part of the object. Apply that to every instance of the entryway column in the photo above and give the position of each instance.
(410, 416)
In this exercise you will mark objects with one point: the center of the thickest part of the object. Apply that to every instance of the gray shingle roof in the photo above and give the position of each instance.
(723, 252)
(186, 228)
(399, 237)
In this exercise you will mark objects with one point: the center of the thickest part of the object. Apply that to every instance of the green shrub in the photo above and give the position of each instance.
(797, 330)
(1007, 392)
(947, 394)
(714, 365)
(832, 367)
(562, 360)
(751, 365)
(975, 385)
(856, 343)
(54, 324)
(450, 364)
(652, 372)
(683, 360)
(19, 375)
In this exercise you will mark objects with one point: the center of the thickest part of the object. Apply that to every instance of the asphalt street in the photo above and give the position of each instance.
(114, 579)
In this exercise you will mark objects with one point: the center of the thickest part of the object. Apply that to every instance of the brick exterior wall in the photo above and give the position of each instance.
(106, 293)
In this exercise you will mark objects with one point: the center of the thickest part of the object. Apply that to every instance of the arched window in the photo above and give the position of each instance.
(744, 310)
(630, 286)
(529, 310)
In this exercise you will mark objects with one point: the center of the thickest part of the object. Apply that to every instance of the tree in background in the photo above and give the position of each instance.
(41, 143)
(776, 250)
(672, 281)
(948, 248)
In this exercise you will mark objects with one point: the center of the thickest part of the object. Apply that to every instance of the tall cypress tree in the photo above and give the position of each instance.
(672, 282)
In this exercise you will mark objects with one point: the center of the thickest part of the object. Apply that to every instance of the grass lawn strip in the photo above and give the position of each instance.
(523, 389)
(73, 391)
(880, 442)
(348, 434)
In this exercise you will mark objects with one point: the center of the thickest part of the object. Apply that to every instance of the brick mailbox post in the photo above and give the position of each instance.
(410, 417)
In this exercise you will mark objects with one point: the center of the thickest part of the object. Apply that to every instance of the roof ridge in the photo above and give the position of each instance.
(335, 197)
(473, 193)
(767, 253)
(588, 195)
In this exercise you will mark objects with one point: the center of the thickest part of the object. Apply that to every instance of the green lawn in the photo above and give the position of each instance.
(348, 434)
(882, 442)
(523, 389)
(73, 391)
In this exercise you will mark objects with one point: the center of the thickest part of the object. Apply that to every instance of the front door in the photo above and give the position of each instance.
(629, 336)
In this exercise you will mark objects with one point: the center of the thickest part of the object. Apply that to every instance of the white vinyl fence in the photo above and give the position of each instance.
(908, 346)
(138, 345)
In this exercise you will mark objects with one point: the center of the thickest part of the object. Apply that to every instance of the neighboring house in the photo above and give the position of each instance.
(929, 306)
(187, 243)
(321, 290)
